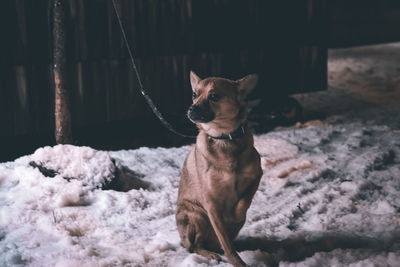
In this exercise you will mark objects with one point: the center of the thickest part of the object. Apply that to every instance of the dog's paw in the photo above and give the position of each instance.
(215, 256)
(208, 254)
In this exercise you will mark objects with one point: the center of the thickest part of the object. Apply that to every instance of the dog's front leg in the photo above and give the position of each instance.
(244, 203)
(220, 230)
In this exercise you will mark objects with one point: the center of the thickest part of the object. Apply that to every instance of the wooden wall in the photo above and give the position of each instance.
(283, 41)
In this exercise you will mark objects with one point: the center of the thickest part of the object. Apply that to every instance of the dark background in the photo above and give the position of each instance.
(285, 42)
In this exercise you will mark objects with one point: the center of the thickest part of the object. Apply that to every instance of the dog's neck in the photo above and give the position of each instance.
(236, 134)
(216, 129)
(224, 151)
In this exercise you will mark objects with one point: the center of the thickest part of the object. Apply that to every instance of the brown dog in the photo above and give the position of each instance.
(221, 174)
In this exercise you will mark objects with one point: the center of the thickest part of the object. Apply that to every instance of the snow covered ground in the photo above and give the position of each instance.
(329, 195)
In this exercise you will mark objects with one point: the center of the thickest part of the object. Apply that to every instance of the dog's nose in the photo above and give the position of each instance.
(200, 113)
(194, 108)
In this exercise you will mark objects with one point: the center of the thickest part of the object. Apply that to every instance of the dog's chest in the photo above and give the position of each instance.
(231, 175)
(227, 190)
(228, 186)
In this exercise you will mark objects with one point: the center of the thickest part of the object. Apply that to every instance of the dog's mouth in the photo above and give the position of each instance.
(198, 116)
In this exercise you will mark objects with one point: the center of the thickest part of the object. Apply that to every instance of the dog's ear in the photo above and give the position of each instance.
(247, 84)
(194, 80)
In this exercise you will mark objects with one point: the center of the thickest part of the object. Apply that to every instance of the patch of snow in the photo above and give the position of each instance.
(319, 182)
(93, 168)
(350, 257)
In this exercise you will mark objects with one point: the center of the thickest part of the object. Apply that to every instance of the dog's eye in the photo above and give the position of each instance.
(194, 95)
(213, 97)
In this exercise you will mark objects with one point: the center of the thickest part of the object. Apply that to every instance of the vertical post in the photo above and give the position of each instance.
(62, 113)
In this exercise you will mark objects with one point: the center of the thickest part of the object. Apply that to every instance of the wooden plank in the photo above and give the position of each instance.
(169, 38)
(62, 113)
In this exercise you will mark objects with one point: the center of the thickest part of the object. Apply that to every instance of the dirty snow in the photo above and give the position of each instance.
(329, 195)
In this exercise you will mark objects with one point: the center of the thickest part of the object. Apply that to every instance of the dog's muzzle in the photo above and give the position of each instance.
(200, 113)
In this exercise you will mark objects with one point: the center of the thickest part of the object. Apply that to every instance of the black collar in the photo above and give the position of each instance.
(236, 134)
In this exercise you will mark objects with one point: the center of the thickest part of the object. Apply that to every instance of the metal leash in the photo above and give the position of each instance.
(142, 89)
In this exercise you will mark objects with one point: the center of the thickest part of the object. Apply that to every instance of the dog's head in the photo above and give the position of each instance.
(218, 103)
